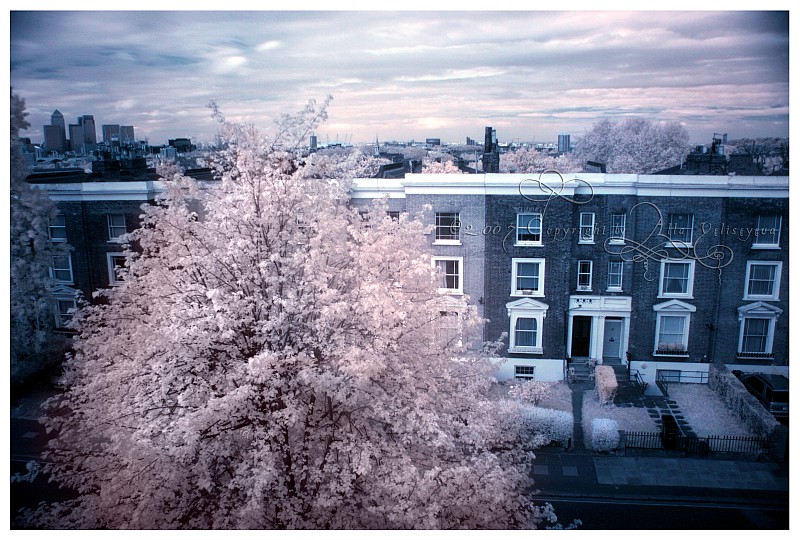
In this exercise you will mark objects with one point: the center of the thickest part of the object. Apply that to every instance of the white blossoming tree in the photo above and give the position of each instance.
(445, 166)
(272, 362)
(531, 161)
(634, 145)
(34, 346)
(340, 163)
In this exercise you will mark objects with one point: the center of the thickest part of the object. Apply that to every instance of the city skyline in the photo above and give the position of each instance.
(402, 75)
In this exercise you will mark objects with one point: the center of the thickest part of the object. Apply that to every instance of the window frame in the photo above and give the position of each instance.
(451, 238)
(620, 274)
(768, 245)
(527, 227)
(112, 228)
(586, 239)
(113, 279)
(586, 287)
(63, 318)
(616, 239)
(689, 284)
(526, 308)
(768, 337)
(449, 325)
(776, 281)
(524, 376)
(460, 274)
(672, 242)
(539, 292)
(534, 332)
(763, 311)
(675, 309)
(54, 269)
(51, 226)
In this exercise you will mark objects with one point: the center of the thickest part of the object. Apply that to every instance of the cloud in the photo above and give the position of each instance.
(406, 74)
(268, 46)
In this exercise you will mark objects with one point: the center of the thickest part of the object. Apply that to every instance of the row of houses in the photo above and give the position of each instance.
(662, 273)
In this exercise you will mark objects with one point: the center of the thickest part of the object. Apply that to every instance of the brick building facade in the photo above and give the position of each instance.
(661, 273)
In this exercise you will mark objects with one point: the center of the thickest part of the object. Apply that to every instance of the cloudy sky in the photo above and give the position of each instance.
(406, 74)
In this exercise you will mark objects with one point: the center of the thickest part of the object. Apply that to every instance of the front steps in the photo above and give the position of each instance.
(581, 370)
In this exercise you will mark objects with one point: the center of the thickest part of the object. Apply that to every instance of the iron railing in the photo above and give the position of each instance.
(695, 446)
(636, 379)
(677, 376)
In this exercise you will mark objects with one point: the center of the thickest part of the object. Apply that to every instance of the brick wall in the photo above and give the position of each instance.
(87, 234)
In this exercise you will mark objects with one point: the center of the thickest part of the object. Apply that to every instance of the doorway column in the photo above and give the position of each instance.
(598, 333)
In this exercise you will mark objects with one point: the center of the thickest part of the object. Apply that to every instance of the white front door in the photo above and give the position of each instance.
(612, 338)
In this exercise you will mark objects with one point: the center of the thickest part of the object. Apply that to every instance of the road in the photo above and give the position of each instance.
(631, 514)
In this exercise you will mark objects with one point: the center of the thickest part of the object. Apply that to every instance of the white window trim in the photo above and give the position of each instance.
(527, 309)
(460, 260)
(673, 308)
(618, 240)
(537, 243)
(517, 292)
(769, 245)
(525, 376)
(447, 241)
(60, 323)
(111, 238)
(50, 228)
(71, 279)
(758, 310)
(776, 287)
(616, 288)
(689, 286)
(581, 226)
(112, 276)
(578, 285)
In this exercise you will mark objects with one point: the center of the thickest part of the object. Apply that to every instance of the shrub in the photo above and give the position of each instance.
(523, 425)
(549, 424)
(605, 382)
(605, 434)
(742, 404)
(530, 391)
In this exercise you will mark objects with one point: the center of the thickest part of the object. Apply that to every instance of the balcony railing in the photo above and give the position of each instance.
(754, 356)
(671, 352)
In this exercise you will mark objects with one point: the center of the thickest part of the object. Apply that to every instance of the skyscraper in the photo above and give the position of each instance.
(89, 130)
(54, 140)
(111, 133)
(76, 137)
(563, 144)
(57, 119)
(55, 136)
(126, 135)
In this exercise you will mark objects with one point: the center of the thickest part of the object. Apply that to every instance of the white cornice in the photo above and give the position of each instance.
(575, 185)
(103, 191)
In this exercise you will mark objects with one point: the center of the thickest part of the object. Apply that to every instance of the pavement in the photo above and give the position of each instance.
(578, 472)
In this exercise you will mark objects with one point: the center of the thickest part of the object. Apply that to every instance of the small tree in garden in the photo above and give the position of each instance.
(271, 362)
(530, 391)
(605, 382)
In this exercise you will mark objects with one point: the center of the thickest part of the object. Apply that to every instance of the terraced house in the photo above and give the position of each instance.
(664, 274)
